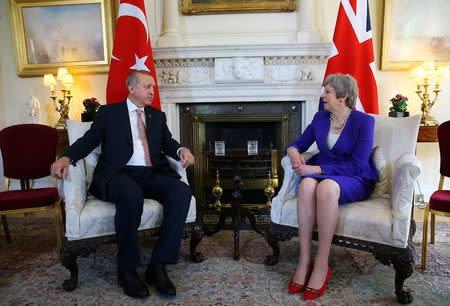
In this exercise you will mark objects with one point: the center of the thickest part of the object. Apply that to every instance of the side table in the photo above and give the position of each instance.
(426, 134)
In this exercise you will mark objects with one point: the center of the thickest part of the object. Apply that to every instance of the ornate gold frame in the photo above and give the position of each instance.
(26, 69)
(189, 8)
(386, 64)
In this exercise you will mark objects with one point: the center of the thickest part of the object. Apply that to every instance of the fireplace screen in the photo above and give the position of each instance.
(241, 128)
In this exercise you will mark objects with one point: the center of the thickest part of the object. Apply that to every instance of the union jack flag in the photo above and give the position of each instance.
(352, 52)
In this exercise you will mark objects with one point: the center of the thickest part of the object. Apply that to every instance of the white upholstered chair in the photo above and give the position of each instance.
(382, 224)
(89, 222)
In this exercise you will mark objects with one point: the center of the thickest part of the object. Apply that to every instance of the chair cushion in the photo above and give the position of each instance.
(381, 187)
(97, 218)
(397, 136)
(354, 221)
(30, 198)
(440, 200)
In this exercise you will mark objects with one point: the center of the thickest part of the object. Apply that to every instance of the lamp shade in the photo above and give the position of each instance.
(416, 73)
(49, 80)
(61, 73)
(428, 68)
(67, 79)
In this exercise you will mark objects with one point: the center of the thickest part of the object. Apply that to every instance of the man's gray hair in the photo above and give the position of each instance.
(133, 79)
(344, 86)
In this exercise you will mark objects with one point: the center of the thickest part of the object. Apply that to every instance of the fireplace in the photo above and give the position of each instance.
(238, 92)
(272, 124)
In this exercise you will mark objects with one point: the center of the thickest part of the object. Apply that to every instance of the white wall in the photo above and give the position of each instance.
(228, 29)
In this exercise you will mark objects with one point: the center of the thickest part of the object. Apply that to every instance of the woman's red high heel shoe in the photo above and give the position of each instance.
(311, 293)
(297, 288)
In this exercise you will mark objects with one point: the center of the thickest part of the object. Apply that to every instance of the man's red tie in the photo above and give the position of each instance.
(143, 135)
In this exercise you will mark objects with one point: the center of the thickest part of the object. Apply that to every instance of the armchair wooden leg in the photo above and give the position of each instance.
(195, 233)
(402, 272)
(196, 237)
(273, 234)
(6, 229)
(69, 260)
(425, 237)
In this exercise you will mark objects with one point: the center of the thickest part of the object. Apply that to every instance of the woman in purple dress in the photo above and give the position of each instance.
(342, 172)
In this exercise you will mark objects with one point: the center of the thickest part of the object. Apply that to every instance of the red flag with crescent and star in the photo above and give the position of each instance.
(352, 52)
(132, 51)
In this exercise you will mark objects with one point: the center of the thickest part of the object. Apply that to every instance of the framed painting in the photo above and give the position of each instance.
(199, 7)
(415, 31)
(76, 34)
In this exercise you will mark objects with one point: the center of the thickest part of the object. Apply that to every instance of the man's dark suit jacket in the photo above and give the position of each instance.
(111, 128)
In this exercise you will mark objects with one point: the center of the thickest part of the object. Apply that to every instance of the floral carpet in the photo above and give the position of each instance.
(31, 274)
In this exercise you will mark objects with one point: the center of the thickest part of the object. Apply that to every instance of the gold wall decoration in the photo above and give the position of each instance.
(77, 34)
(202, 7)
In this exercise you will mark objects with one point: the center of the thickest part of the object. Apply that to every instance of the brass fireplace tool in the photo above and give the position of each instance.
(269, 191)
(217, 191)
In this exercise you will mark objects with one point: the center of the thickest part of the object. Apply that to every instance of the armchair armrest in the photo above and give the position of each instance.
(176, 165)
(289, 187)
(406, 170)
(74, 197)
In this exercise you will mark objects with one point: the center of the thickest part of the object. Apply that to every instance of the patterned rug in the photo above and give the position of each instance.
(31, 274)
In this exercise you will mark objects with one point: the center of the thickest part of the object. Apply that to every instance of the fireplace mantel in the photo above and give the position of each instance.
(244, 73)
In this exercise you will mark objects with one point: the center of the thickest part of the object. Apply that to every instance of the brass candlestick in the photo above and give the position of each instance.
(423, 74)
(62, 107)
(427, 103)
(217, 191)
(269, 191)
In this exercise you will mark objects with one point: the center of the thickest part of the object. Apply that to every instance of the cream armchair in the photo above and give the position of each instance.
(89, 222)
(382, 224)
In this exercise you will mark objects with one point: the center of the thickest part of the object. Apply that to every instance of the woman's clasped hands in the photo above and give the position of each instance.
(299, 166)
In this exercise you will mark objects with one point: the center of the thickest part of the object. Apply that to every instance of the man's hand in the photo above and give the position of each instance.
(187, 159)
(59, 168)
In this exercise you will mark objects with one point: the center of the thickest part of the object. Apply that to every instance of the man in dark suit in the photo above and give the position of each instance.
(132, 167)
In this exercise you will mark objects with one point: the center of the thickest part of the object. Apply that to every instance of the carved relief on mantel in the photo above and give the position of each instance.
(210, 71)
(239, 69)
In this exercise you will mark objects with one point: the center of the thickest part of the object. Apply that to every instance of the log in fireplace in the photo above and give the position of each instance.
(272, 124)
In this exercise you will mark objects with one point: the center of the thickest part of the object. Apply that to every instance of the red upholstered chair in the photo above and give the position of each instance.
(28, 150)
(440, 200)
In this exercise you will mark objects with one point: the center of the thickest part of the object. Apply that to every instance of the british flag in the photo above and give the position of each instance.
(352, 52)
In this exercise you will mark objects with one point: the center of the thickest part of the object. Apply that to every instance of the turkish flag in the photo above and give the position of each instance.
(132, 51)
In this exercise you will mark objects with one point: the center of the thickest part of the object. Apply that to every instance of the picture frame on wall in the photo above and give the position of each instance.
(76, 34)
(415, 31)
(202, 7)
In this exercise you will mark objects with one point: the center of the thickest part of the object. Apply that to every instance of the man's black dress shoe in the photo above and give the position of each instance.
(131, 283)
(156, 275)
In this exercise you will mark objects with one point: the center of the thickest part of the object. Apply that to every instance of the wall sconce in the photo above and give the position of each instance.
(61, 105)
(423, 74)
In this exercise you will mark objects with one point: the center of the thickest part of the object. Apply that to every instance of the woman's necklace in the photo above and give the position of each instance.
(340, 126)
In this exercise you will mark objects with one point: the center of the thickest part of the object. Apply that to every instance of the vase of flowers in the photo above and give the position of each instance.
(399, 106)
(91, 106)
